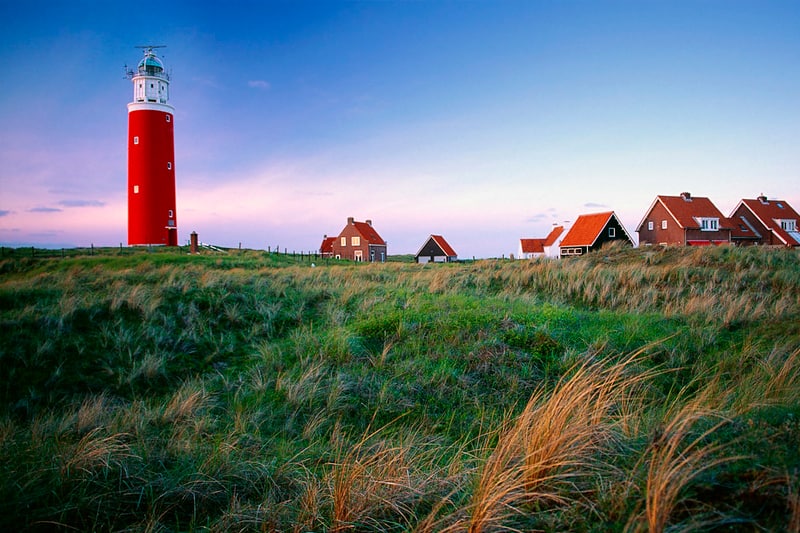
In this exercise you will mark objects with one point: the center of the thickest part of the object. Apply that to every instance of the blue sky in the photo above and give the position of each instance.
(481, 121)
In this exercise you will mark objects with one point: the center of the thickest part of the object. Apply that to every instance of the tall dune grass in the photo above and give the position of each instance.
(155, 393)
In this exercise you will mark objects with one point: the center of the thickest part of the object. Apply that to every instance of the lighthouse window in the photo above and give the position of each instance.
(169, 165)
(136, 140)
(135, 189)
(168, 117)
(171, 214)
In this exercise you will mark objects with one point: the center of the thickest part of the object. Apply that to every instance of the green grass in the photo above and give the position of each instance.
(628, 390)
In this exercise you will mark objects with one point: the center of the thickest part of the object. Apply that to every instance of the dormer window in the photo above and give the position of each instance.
(789, 224)
(709, 224)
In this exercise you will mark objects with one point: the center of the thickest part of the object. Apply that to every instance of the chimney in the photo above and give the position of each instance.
(369, 222)
(350, 221)
(686, 196)
(763, 199)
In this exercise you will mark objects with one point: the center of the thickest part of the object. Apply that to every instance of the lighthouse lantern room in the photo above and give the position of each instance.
(151, 156)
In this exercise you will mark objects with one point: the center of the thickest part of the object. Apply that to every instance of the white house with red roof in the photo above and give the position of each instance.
(436, 250)
(764, 221)
(547, 247)
(591, 232)
(683, 220)
(359, 241)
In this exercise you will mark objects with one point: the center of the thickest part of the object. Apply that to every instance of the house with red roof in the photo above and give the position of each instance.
(326, 248)
(547, 247)
(764, 221)
(591, 232)
(683, 220)
(358, 241)
(436, 250)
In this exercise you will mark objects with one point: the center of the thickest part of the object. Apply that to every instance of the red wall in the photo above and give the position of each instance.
(149, 164)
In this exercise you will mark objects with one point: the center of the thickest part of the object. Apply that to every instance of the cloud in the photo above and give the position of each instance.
(81, 203)
(539, 217)
(258, 84)
(4, 212)
(44, 210)
(593, 205)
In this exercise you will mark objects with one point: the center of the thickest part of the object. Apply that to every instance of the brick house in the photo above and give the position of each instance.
(683, 220)
(326, 248)
(591, 232)
(359, 241)
(769, 222)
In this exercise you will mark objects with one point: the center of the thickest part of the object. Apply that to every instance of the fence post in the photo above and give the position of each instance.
(91, 251)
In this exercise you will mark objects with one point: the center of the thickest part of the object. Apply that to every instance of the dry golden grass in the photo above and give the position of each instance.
(680, 452)
(93, 452)
(556, 441)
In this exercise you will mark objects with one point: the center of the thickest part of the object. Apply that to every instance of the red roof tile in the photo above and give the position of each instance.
(532, 246)
(327, 245)
(368, 233)
(771, 212)
(586, 229)
(554, 234)
(446, 248)
(685, 211)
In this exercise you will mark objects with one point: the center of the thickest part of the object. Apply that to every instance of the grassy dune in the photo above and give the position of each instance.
(630, 390)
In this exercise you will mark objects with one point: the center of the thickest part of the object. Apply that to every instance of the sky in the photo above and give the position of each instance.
(482, 121)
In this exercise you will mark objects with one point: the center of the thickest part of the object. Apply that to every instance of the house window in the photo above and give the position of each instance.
(355, 241)
(789, 225)
(136, 140)
(344, 241)
(663, 224)
(709, 224)
(650, 225)
(612, 232)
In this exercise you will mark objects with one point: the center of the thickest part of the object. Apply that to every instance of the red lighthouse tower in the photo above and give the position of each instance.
(151, 156)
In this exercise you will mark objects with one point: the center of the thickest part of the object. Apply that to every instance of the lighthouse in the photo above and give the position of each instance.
(151, 156)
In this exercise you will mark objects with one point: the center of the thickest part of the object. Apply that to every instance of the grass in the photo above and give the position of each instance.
(628, 390)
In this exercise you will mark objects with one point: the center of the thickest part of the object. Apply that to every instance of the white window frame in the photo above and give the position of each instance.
(650, 225)
(135, 189)
(358, 255)
(169, 165)
(355, 240)
(788, 224)
(663, 224)
(709, 224)
(343, 241)
(135, 139)
(612, 232)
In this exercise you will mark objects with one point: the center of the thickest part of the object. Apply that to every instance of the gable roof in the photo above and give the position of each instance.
(532, 246)
(553, 235)
(368, 233)
(446, 248)
(770, 213)
(686, 210)
(327, 245)
(536, 246)
(586, 229)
